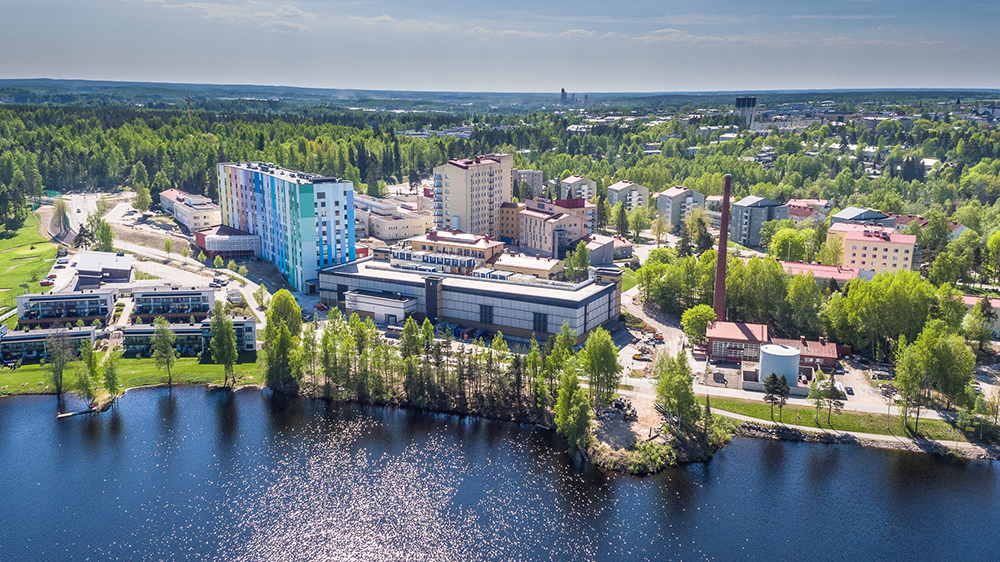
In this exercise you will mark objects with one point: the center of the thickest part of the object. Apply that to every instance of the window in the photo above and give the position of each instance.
(485, 314)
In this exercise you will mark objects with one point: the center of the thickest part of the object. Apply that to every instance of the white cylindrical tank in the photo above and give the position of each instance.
(780, 360)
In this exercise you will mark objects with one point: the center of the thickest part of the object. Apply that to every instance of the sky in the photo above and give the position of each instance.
(509, 45)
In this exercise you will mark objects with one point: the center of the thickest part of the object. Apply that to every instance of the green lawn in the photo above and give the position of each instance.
(133, 372)
(628, 279)
(25, 258)
(845, 421)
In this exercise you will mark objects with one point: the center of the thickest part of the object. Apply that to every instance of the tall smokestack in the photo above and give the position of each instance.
(719, 300)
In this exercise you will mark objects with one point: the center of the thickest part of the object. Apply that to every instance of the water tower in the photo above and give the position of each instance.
(780, 360)
(746, 106)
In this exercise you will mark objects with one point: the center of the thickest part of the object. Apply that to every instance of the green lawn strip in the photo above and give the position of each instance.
(22, 264)
(628, 279)
(133, 373)
(845, 421)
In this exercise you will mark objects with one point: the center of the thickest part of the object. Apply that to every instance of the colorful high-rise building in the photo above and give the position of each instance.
(305, 221)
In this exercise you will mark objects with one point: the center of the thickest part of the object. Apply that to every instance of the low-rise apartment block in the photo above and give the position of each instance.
(550, 228)
(676, 204)
(58, 309)
(629, 194)
(749, 215)
(531, 177)
(878, 248)
(577, 187)
(172, 303)
(191, 338)
(33, 344)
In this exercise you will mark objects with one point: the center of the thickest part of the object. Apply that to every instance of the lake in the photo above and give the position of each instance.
(191, 474)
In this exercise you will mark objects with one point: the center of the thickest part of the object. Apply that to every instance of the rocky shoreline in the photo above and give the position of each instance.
(762, 431)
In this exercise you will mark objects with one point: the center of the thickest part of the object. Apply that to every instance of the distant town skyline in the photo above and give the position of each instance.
(586, 46)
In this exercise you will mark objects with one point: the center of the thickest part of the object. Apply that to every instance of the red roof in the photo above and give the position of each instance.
(819, 271)
(174, 195)
(808, 348)
(971, 300)
(677, 190)
(737, 331)
(803, 212)
(853, 231)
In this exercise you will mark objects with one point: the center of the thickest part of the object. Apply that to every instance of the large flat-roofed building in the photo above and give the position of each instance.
(518, 309)
(542, 268)
(104, 266)
(877, 248)
(382, 307)
(227, 242)
(191, 338)
(172, 303)
(56, 309)
(629, 194)
(577, 187)
(33, 344)
(192, 211)
(677, 203)
(750, 214)
(305, 221)
(468, 192)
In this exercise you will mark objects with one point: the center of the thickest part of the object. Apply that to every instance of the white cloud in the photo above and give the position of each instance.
(279, 18)
(578, 33)
(412, 25)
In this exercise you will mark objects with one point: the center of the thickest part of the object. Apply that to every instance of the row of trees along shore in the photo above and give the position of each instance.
(347, 359)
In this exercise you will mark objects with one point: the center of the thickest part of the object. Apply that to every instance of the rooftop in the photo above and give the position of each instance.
(823, 348)
(820, 271)
(284, 173)
(868, 232)
(466, 163)
(737, 331)
(858, 214)
(756, 201)
(103, 261)
(678, 190)
(801, 212)
(524, 261)
(624, 184)
(223, 230)
(575, 178)
(457, 237)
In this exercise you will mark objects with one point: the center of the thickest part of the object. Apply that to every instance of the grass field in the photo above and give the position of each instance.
(133, 373)
(845, 421)
(628, 279)
(25, 259)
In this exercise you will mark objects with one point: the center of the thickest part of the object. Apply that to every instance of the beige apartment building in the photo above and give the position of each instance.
(877, 248)
(509, 221)
(629, 194)
(468, 193)
(457, 243)
(549, 228)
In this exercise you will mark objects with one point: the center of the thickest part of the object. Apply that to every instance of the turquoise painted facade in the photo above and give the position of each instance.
(305, 221)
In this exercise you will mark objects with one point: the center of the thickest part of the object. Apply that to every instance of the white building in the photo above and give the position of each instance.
(192, 211)
(577, 187)
(629, 194)
(386, 220)
(676, 204)
(532, 177)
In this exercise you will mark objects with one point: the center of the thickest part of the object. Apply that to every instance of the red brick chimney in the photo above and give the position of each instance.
(719, 297)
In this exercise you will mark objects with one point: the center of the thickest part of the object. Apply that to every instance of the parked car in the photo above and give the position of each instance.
(78, 209)
(60, 266)
(47, 283)
(849, 390)
(62, 261)
(51, 276)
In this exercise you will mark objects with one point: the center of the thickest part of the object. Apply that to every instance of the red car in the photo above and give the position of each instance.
(50, 276)
(47, 283)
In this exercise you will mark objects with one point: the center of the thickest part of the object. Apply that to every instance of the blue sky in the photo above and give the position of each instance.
(513, 45)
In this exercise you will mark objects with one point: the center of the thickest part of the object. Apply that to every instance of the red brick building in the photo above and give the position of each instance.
(820, 353)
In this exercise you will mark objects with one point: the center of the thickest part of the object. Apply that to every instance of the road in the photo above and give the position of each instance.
(85, 203)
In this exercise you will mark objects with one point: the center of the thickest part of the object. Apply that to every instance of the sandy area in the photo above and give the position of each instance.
(620, 434)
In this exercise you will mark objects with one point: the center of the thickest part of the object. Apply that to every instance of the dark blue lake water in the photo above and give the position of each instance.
(198, 475)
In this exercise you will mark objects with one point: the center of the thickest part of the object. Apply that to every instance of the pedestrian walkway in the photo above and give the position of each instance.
(918, 443)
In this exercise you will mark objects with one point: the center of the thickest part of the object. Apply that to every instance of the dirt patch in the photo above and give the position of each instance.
(152, 240)
(263, 271)
(618, 434)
